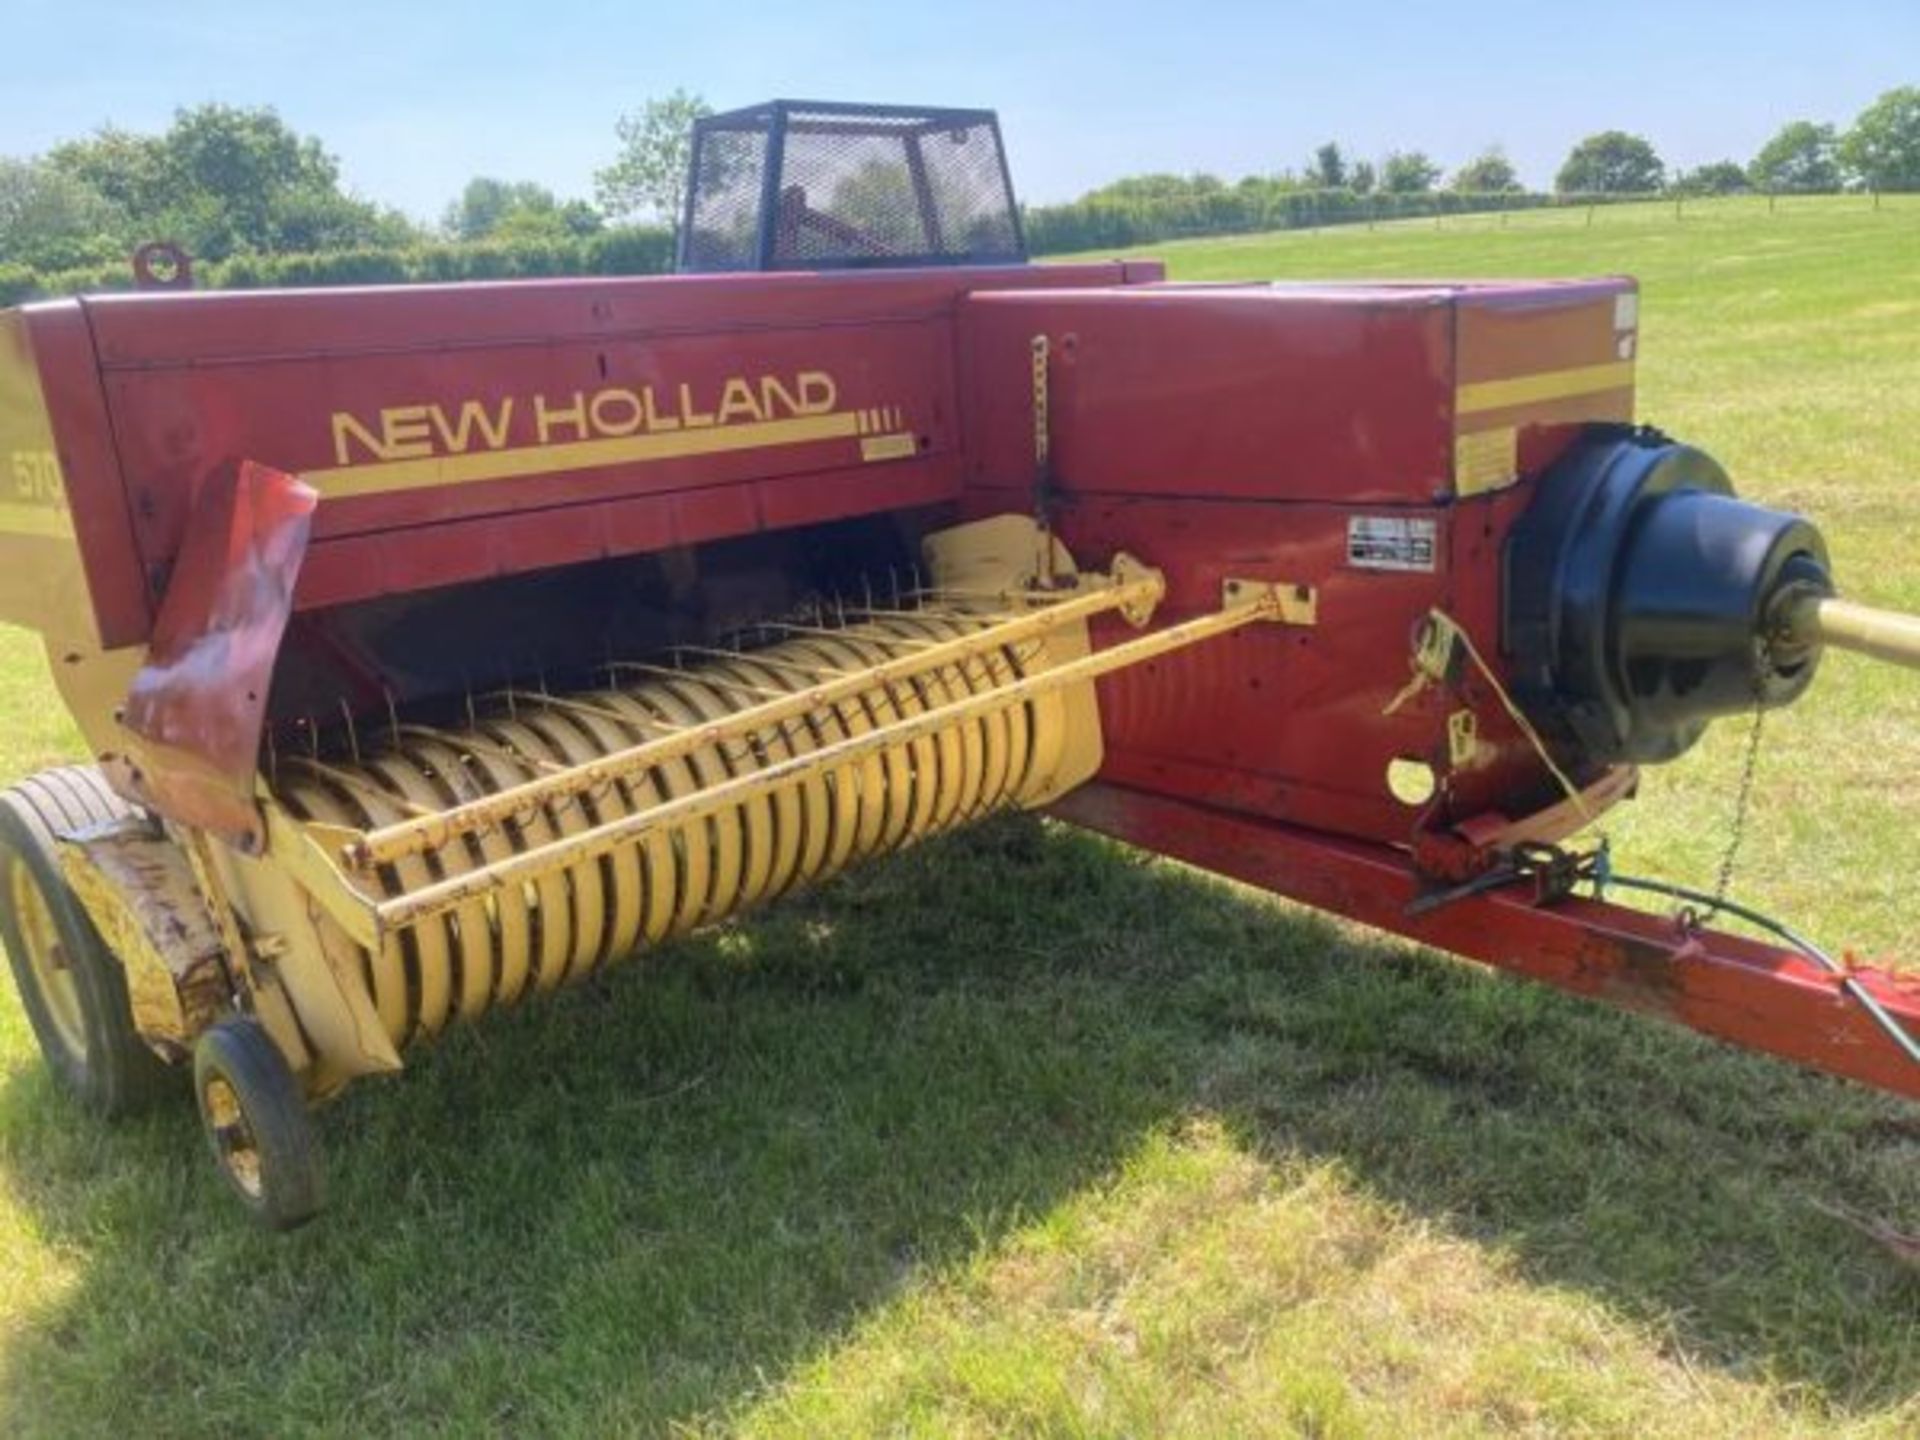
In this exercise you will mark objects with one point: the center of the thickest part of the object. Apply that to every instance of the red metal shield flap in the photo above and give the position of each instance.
(194, 712)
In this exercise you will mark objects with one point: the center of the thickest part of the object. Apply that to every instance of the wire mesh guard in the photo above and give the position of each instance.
(807, 185)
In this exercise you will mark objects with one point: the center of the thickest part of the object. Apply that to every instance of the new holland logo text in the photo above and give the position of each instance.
(515, 437)
(424, 432)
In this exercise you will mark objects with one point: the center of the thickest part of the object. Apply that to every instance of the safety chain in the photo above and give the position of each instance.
(1555, 872)
(1742, 807)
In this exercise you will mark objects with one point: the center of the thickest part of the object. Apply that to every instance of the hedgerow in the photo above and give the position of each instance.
(1097, 222)
(613, 252)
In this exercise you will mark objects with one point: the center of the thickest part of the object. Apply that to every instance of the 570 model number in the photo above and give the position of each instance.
(35, 478)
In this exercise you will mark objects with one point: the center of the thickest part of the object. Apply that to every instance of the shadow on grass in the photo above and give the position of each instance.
(647, 1199)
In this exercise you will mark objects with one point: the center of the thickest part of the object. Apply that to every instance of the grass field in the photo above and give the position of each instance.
(1027, 1133)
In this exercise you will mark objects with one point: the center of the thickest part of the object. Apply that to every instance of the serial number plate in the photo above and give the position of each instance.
(1392, 542)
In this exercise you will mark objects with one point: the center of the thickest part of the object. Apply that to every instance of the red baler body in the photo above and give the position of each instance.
(1375, 442)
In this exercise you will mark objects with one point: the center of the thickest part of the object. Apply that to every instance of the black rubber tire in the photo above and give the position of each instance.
(114, 1073)
(283, 1184)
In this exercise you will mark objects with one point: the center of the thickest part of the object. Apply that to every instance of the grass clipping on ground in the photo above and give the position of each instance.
(1024, 1133)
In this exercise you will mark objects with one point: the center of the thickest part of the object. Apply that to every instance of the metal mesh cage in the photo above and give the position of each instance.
(722, 230)
(809, 185)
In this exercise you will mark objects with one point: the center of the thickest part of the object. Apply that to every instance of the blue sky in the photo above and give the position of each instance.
(417, 97)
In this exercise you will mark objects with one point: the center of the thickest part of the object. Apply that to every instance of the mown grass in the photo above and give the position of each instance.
(1027, 1133)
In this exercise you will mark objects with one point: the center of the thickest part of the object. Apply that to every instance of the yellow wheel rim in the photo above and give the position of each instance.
(47, 957)
(233, 1137)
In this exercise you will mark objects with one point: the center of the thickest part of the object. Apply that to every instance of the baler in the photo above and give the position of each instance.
(437, 647)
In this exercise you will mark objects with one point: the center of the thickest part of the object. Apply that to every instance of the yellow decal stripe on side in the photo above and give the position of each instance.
(1547, 385)
(24, 518)
(383, 477)
(888, 447)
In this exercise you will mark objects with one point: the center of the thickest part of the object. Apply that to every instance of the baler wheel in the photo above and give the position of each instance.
(257, 1124)
(70, 984)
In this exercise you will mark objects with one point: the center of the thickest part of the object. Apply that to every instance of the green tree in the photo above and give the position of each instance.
(1719, 177)
(1610, 163)
(129, 171)
(225, 181)
(322, 221)
(1883, 147)
(1408, 172)
(649, 176)
(50, 220)
(489, 208)
(1328, 169)
(1363, 178)
(1488, 173)
(1803, 156)
(485, 202)
(248, 162)
(1158, 187)
(580, 219)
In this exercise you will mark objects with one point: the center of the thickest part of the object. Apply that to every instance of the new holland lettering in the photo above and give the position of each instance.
(421, 432)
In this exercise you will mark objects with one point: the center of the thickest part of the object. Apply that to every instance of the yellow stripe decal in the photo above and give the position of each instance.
(385, 476)
(21, 518)
(1538, 389)
(888, 447)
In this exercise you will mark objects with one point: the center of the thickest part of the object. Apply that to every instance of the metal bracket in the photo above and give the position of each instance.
(306, 850)
(1285, 603)
(1127, 572)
